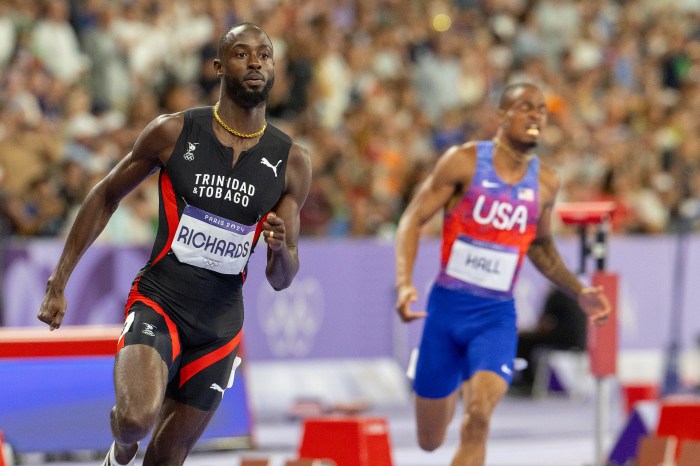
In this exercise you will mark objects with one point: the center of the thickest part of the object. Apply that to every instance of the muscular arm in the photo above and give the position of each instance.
(452, 171)
(545, 256)
(149, 152)
(281, 228)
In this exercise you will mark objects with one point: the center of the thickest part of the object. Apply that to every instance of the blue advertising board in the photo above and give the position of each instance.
(62, 404)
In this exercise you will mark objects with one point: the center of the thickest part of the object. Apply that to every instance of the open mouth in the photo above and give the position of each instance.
(533, 131)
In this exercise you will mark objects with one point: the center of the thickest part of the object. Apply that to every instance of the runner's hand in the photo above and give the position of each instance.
(274, 231)
(405, 295)
(595, 304)
(52, 309)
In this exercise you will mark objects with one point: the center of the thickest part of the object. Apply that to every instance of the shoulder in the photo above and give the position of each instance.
(454, 169)
(164, 128)
(548, 175)
(160, 135)
(299, 156)
(278, 134)
(458, 154)
(457, 161)
(300, 159)
(298, 173)
(168, 125)
(548, 180)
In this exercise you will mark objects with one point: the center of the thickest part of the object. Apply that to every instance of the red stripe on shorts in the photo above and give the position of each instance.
(135, 296)
(191, 369)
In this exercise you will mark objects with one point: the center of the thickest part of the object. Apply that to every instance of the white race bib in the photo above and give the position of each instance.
(484, 264)
(212, 242)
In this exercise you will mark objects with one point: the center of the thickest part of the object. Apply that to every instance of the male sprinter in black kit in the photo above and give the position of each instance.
(226, 178)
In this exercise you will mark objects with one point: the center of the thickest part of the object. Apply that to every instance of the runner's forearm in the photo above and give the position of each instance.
(91, 220)
(282, 267)
(407, 238)
(547, 260)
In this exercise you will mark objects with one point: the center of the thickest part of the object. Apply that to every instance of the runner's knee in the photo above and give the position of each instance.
(475, 423)
(430, 441)
(131, 423)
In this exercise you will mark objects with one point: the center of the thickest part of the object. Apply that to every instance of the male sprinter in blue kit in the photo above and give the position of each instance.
(226, 178)
(497, 199)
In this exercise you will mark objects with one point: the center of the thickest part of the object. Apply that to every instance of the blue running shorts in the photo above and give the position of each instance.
(464, 334)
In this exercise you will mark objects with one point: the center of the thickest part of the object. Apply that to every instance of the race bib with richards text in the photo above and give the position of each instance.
(215, 243)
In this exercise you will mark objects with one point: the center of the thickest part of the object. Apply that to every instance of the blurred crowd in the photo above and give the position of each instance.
(376, 89)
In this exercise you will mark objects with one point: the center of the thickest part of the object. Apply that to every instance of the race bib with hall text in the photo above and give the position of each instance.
(481, 263)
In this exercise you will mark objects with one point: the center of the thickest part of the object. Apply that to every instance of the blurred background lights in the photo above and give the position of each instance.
(441, 22)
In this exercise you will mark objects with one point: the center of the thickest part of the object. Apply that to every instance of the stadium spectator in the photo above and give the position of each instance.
(396, 82)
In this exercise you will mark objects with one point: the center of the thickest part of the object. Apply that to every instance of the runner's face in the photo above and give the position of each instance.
(526, 117)
(248, 67)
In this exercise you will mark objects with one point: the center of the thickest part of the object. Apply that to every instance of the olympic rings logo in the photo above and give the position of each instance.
(210, 262)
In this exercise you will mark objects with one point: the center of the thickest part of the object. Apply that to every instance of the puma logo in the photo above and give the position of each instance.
(217, 387)
(266, 162)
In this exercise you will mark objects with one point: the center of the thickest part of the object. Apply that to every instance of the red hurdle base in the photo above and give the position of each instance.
(349, 441)
(679, 416)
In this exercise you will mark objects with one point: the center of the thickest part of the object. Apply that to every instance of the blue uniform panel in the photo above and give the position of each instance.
(464, 334)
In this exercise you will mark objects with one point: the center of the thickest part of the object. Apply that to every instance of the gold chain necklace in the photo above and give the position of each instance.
(519, 157)
(233, 131)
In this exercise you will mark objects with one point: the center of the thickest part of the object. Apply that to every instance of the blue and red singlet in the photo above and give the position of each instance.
(486, 236)
(471, 322)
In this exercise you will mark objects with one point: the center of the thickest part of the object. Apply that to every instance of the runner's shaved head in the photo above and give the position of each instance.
(512, 92)
(227, 38)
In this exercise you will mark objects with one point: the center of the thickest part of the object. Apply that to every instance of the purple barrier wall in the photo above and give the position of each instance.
(341, 304)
